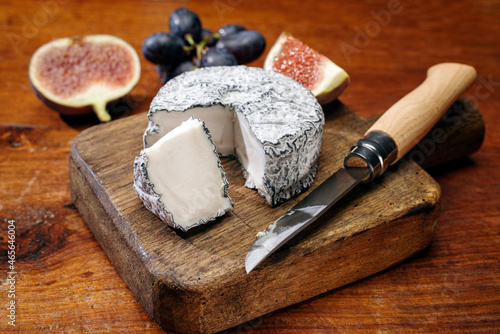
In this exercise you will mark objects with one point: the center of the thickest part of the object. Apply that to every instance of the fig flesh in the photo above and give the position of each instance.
(80, 75)
(295, 59)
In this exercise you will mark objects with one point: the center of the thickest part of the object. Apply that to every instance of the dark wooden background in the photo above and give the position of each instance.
(65, 283)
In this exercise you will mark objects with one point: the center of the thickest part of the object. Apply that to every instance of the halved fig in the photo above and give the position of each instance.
(295, 59)
(80, 75)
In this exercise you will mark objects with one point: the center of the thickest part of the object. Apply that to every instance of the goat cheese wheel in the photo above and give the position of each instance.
(180, 178)
(272, 124)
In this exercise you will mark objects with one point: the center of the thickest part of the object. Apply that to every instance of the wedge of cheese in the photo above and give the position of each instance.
(180, 178)
(272, 124)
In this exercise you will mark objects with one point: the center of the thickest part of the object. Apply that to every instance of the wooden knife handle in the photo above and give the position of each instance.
(411, 118)
(459, 133)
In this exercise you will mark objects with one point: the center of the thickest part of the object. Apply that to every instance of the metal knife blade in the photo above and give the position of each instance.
(303, 214)
(387, 141)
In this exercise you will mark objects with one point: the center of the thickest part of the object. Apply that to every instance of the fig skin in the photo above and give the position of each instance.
(327, 81)
(73, 111)
(325, 98)
(92, 103)
(60, 108)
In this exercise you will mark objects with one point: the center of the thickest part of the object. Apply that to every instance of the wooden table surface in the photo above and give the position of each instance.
(64, 282)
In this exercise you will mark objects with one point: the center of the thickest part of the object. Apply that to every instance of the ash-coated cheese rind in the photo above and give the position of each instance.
(180, 178)
(270, 122)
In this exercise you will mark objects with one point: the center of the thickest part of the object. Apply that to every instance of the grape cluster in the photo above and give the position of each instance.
(189, 45)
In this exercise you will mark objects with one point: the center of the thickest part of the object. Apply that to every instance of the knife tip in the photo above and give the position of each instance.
(249, 266)
(252, 260)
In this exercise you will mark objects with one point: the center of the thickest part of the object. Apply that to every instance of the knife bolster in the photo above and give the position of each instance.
(377, 150)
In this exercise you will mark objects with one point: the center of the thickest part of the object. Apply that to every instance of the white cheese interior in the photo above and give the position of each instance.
(184, 169)
(250, 153)
(230, 133)
(218, 119)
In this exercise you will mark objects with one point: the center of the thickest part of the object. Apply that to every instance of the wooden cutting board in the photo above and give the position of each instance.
(195, 282)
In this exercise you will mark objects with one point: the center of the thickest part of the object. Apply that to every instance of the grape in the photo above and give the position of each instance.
(183, 21)
(230, 29)
(217, 57)
(208, 37)
(163, 73)
(164, 48)
(181, 68)
(245, 45)
(189, 45)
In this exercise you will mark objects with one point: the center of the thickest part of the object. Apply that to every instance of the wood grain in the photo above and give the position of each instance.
(66, 284)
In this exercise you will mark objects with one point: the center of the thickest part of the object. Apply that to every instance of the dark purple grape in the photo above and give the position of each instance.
(183, 21)
(245, 45)
(208, 37)
(230, 29)
(217, 57)
(164, 48)
(163, 73)
(185, 66)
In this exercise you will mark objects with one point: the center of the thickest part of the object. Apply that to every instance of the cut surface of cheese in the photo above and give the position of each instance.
(180, 178)
(272, 124)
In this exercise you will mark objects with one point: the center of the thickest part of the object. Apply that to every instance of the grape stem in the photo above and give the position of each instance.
(199, 51)
(189, 39)
(200, 47)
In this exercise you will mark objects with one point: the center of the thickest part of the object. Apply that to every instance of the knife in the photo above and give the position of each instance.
(400, 128)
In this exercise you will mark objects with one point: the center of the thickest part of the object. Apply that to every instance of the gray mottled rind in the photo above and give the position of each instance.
(152, 199)
(285, 117)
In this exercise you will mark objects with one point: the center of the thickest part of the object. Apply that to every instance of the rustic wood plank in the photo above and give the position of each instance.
(195, 282)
